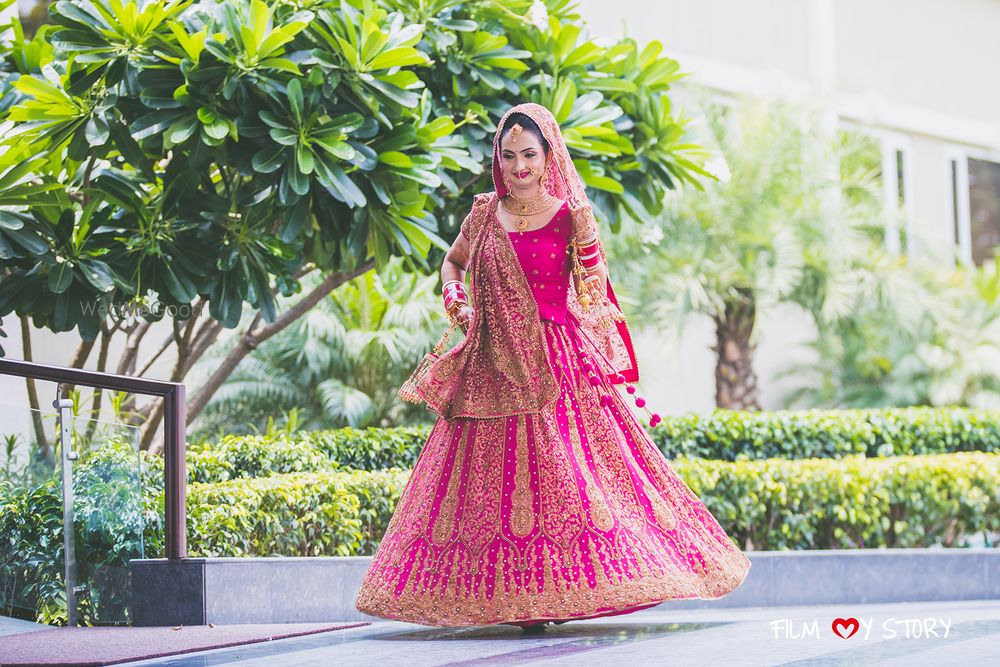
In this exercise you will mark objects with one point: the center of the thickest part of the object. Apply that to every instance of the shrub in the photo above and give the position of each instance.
(723, 435)
(906, 501)
(731, 435)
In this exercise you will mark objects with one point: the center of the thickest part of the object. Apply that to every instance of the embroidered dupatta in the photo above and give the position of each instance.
(500, 367)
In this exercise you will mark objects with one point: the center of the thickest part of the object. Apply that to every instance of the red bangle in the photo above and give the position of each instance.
(454, 288)
(450, 300)
(454, 294)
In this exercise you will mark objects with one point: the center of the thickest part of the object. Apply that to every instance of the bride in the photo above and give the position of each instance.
(538, 496)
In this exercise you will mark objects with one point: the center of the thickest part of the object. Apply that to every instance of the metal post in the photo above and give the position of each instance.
(174, 473)
(69, 544)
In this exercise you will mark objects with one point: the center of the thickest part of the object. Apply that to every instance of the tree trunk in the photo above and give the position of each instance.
(102, 365)
(250, 339)
(36, 416)
(735, 379)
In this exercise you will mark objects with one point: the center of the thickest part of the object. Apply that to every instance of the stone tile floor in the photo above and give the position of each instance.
(940, 634)
(10, 626)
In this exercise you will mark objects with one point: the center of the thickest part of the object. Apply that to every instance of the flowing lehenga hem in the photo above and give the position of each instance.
(729, 570)
(541, 618)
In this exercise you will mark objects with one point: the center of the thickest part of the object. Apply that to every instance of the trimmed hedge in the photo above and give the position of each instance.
(854, 502)
(110, 520)
(370, 448)
(731, 435)
(236, 456)
(294, 514)
(722, 435)
(255, 456)
(31, 552)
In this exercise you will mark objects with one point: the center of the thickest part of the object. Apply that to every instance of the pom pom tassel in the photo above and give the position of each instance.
(606, 400)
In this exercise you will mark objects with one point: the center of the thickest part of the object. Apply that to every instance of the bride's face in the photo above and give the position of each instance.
(522, 160)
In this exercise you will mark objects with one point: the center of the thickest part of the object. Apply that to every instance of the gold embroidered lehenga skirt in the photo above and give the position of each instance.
(565, 514)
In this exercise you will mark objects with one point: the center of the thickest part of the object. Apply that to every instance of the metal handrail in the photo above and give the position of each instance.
(174, 424)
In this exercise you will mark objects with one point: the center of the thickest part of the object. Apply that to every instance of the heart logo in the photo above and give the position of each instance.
(841, 625)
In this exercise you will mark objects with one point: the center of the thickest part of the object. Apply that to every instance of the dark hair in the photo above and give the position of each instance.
(529, 126)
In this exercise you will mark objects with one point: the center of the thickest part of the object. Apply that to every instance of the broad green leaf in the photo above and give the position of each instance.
(395, 159)
(269, 159)
(304, 158)
(284, 136)
(338, 149)
(60, 277)
(605, 183)
(295, 98)
(399, 57)
(98, 274)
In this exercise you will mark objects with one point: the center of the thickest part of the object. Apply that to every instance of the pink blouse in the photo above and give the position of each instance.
(545, 259)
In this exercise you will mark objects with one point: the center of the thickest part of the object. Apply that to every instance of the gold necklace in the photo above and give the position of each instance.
(543, 201)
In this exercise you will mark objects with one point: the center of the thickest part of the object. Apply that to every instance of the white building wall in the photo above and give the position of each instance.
(932, 55)
(931, 224)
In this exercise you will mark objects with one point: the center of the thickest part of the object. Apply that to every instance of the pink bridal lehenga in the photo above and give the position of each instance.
(567, 512)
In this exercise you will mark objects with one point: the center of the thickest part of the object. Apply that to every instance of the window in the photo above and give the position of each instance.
(975, 205)
(984, 209)
(877, 179)
(897, 190)
(955, 213)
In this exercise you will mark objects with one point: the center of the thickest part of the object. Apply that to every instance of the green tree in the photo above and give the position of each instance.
(202, 158)
(338, 365)
(920, 336)
(777, 229)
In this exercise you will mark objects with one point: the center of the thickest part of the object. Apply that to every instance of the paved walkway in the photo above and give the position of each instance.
(939, 634)
(12, 626)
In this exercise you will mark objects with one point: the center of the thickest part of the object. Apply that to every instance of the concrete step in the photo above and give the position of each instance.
(198, 591)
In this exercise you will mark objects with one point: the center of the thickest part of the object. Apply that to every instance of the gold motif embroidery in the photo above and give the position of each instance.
(557, 597)
(486, 375)
(595, 561)
(445, 521)
(664, 515)
(549, 582)
(522, 519)
(599, 513)
(561, 517)
(481, 519)
(477, 380)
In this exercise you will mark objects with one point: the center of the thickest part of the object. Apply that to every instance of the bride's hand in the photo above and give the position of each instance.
(464, 317)
(578, 206)
(582, 213)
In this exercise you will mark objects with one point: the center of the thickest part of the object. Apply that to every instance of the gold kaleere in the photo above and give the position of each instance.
(590, 296)
(582, 293)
